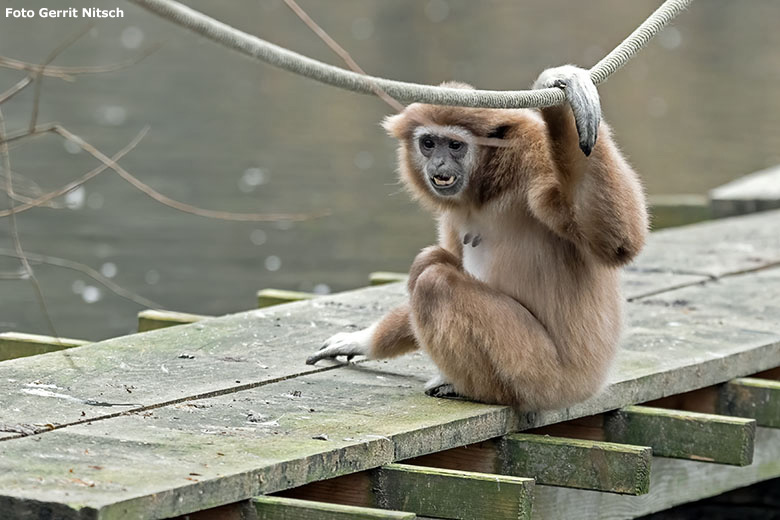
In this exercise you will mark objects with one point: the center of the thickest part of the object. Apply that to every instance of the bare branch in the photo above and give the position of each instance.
(88, 271)
(11, 92)
(6, 160)
(38, 74)
(352, 64)
(68, 73)
(163, 199)
(78, 182)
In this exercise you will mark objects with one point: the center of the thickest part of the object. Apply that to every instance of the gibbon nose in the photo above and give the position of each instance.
(439, 163)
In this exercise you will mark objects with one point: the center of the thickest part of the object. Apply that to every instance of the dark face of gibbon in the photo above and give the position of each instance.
(444, 159)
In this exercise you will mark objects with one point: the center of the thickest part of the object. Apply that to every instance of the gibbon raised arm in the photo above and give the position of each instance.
(519, 303)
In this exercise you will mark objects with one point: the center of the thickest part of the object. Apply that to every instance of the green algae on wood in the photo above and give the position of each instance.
(446, 493)
(18, 344)
(758, 399)
(673, 482)
(151, 319)
(685, 435)
(383, 277)
(283, 508)
(270, 297)
(577, 463)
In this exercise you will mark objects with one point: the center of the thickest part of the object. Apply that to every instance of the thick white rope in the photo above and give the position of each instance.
(405, 92)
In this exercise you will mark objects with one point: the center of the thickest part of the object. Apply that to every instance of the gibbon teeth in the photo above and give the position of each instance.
(443, 182)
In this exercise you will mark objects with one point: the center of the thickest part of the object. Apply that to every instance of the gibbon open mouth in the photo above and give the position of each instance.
(441, 180)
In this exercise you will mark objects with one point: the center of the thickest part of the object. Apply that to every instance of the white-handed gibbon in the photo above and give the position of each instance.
(520, 302)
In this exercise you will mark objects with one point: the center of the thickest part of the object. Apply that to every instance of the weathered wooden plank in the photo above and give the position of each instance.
(684, 435)
(446, 493)
(759, 191)
(282, 508)
(152, 319)
(269, 297)
(383, 277)
(577, 463)
(673, 482)
(679, 334)
(750, 397)
(714, 248)
(669, 348)
(19, 344)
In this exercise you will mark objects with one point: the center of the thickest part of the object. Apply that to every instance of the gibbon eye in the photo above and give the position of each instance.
(427, 143)
(455, 145)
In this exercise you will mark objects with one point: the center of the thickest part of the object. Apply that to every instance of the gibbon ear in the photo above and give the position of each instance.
(456, 84)
(393, 125)
(499, 132)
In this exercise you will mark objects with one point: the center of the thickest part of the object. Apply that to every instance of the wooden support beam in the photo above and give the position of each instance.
(282, 508)
(446, 493)
(578, 463)
(758, 399)
(18, 344)
(151, 319)
(429, 492)
(383, 277)
(269, 297)
(556, 461)
(685, 435)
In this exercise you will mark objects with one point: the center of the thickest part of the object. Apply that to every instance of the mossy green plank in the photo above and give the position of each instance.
(673, 482)
(752, 397)
(190, 456)
(678, 210)
(576, 463)
(281, 508)
(152, 319)
(446, 493)
(383, 277)
(270, 297)
(18, 344)
(684, 435)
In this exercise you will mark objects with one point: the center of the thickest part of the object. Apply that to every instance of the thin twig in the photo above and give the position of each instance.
(163, 199)
(11, 92)
(78, 182)
(38, 74)
(6, 160)
(88, 271)
(151, 192)
(69, 73)
(352, 64)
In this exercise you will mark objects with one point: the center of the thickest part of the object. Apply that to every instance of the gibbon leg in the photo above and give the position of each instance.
(486, 345)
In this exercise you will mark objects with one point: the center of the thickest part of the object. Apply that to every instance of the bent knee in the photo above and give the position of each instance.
(433, 284)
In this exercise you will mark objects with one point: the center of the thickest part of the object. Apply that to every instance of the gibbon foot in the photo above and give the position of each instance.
(439, 387)
(349, 344)
(582, 96)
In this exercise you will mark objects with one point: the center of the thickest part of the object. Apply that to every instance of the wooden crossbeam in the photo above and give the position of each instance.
(434, 492)
(269, 297)
(383, 277)
(556, 461)
(683, 434)
(18, 344)
(282, 508)
(578, 463)
(151, 319)
(755, 398)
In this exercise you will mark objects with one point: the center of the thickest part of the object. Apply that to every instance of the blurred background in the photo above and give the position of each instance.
(699, 107)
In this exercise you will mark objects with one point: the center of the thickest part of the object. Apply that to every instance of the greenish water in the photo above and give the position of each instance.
(698, 107)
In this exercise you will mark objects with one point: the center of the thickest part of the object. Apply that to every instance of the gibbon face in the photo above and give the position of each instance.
(444, 158)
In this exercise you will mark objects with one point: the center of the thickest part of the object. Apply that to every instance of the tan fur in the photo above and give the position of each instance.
(532, 316)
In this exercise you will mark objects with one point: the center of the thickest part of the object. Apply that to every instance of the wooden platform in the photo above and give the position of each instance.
(186, 418)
